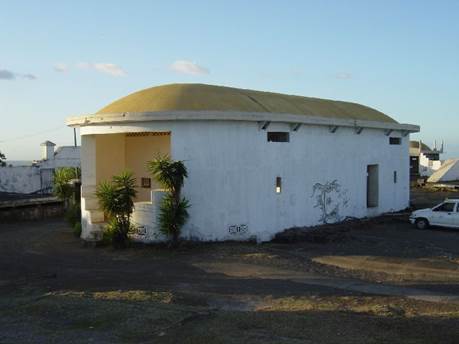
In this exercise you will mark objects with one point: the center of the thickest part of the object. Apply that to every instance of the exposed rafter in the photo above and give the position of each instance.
(388, 132)
(333, 128)
(263, 125)
(295, 126)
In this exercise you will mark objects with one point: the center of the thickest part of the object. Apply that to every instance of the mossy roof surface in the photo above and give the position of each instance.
(415, 144)
(201, 97)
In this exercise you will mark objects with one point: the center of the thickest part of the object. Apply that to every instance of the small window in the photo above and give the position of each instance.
(146, 182)
(278, 136)
(395, 177)
(278, 185)
(446, 207)
(395, 140)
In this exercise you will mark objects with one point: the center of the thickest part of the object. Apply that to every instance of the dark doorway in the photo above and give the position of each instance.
(372, 186)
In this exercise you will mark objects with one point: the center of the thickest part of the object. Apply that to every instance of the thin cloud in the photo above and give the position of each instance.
(106, 68)
(6, 74)
(188, 67)
(29, 76)
(343, 76)
(61, 67)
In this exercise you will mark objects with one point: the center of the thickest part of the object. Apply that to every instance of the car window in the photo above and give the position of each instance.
(446, 207)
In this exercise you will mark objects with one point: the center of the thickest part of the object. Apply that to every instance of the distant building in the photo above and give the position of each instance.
(38, 177)
(424, 161)
(258, 162)
(448, 172)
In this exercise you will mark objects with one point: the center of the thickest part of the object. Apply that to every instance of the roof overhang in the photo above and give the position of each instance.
(132, 117)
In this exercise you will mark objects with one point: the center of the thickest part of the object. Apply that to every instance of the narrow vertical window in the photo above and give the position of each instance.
(278, 185)
(395, 177)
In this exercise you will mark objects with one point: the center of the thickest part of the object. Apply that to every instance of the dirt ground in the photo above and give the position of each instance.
(370, 284)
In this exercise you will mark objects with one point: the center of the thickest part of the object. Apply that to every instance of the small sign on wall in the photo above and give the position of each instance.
(146, 182)
(238, 229)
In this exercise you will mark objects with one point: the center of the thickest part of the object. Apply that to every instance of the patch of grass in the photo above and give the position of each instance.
(375, 305)
(259, 255)
(134, 295)
(396, 268)
(119, 295)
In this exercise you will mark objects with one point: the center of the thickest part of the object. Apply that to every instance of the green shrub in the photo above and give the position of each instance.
(173, 212)
(77, 229)
(64, 190)
(2, 160)
(116, 198)
(61, 184)
(172, 215)
(73, 214)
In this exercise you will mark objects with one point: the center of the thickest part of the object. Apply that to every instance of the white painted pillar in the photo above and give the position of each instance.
(92, 217)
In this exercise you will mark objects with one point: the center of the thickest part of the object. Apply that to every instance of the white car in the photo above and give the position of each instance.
(445, 214)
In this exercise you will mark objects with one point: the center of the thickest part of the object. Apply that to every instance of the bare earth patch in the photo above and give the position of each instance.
(396, 268)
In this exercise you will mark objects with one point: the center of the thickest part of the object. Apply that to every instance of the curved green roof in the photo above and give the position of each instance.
(200, 97)
(415, 144)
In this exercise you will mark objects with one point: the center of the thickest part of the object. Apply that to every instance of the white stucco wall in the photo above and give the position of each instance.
(232, 180)
(20, 179)
(427, 167)
(232, 172)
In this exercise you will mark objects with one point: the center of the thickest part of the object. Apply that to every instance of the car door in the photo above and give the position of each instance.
(454, 218)
(442, 214)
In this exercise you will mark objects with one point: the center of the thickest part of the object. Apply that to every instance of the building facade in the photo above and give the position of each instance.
(424, 161)
(258, 162)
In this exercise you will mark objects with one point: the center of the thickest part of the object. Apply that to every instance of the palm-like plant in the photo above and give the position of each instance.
(61, 183)
(116, 198)
(173, 211)
(2, 160)
(66, 191)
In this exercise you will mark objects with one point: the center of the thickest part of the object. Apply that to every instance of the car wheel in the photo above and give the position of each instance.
(422, 224)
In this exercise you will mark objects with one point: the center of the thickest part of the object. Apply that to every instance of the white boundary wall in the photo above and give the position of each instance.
(28, 179)
(20, 179)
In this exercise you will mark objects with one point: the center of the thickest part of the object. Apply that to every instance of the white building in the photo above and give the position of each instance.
(258, 162)
(424, 160)
(448, 172)
(38, 177)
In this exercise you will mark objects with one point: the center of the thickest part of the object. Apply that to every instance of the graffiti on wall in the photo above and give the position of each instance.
(330, 198)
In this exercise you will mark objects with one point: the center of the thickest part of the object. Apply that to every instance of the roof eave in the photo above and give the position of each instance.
(130, 117)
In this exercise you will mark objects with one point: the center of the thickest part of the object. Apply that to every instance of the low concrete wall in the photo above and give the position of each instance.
(31, 209)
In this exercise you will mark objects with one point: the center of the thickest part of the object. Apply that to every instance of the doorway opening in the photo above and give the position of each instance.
(372, 186)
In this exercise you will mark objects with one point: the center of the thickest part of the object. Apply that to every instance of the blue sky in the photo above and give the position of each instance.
(65, 58)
